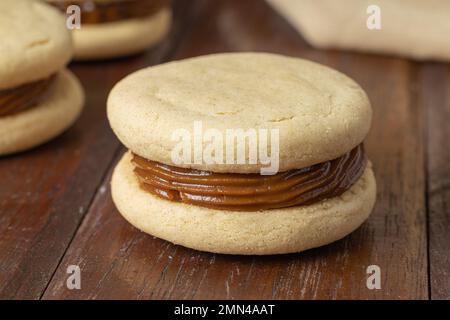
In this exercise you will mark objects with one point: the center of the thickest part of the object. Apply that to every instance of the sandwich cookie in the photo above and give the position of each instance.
(115, 28)
(39, 98)
(323, 187)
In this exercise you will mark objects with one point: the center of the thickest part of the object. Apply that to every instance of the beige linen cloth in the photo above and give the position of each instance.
(418, 29)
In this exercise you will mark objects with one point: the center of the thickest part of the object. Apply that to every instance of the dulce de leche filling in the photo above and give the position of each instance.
(94, 12)
(24, 97)
(251, 192)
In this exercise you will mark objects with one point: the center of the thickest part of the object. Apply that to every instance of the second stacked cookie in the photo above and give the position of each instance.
(115, 28)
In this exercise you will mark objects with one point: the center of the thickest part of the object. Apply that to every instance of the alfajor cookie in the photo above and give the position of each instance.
(242, 153)
(39, 98)
(115, 28)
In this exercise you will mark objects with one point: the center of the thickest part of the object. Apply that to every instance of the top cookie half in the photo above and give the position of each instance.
(320, 113)
(35, 42)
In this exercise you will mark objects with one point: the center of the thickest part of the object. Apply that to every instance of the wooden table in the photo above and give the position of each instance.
(56, 209)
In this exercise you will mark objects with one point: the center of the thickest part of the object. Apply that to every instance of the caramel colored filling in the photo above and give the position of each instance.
(93, 12)
(19, 99)
(251, 192)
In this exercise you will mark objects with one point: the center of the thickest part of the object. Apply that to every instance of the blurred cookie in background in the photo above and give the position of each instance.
(116, 28)
(415, 29)
(39, 97)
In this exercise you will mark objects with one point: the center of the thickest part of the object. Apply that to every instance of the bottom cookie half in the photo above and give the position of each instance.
(57, 111)
(276, 231)
(116, 39)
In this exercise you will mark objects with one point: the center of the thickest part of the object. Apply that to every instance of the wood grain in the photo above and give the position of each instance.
(45, 192)
(117, 261)
(434, 93)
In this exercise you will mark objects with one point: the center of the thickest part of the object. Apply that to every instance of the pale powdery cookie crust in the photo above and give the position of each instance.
(57, 111)
(35, 42)
(257, 233)
(121, 38)
(320, 113)
(413, 28)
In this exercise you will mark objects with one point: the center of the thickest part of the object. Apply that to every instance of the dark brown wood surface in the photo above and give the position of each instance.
(434, 96)
(56, 208)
